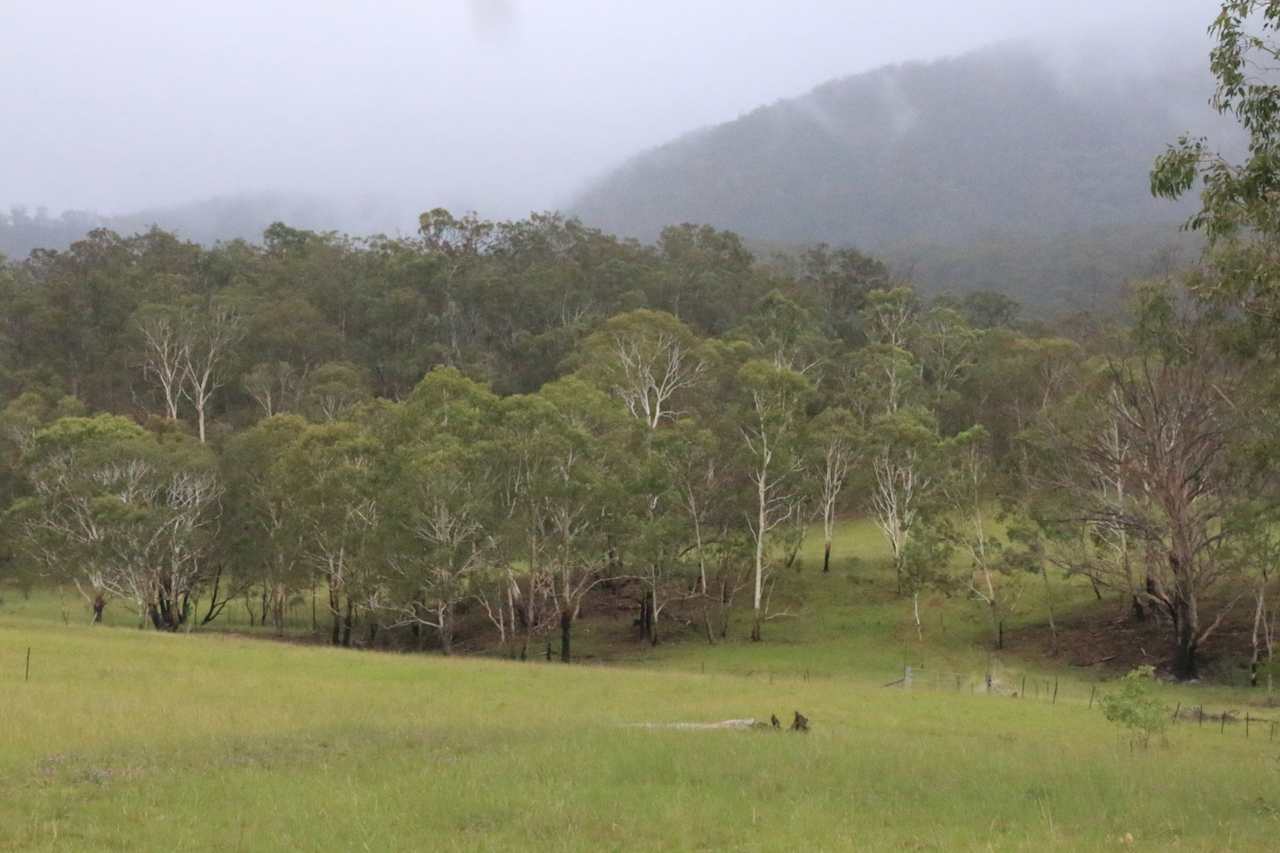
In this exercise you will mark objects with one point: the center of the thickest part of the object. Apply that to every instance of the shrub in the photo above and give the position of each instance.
(1134, 706)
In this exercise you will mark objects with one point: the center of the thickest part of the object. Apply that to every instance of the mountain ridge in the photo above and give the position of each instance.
(942, 152)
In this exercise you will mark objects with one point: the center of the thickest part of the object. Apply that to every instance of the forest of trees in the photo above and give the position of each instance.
(503, 420)
(507, 418)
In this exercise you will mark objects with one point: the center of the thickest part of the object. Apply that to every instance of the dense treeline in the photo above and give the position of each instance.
(508, 418)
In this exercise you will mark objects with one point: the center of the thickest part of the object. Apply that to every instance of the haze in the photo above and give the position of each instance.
(498, 106)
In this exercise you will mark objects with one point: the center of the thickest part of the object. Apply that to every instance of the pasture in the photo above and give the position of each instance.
(127, 739)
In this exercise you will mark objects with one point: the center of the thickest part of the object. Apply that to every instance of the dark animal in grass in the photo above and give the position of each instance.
(773, 718)
(800, 723)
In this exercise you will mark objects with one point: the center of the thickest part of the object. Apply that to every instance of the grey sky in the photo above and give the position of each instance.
(502, 105)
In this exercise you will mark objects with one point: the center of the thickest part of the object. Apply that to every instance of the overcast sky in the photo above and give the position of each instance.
(500, 105)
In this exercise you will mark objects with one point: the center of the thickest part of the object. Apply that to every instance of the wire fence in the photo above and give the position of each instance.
(1259, 721)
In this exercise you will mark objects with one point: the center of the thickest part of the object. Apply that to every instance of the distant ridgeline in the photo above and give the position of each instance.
(992, 170)
(244, 216)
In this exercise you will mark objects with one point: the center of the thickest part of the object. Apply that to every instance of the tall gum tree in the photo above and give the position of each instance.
(835, 443)
(772, 414)
(652, 363)
(441, 502)
(1181, 407)
(904, 450)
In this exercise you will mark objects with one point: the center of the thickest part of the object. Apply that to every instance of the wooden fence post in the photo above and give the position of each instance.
(27, 675)
(1092, 690)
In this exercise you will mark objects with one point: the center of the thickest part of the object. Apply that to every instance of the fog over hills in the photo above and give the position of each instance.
(997, 142)
(239, 216)
(1020, 167)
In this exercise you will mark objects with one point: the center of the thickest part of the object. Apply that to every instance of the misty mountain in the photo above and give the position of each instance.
(922, 162)
(944, 152)
(1012, 168)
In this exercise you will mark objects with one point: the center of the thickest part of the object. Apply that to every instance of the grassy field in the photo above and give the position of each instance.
(135, 740)
(126, 739)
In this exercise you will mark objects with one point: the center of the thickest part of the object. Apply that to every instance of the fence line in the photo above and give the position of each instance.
(1252, 722)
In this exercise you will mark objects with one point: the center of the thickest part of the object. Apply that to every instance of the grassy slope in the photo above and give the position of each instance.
(846, 623)
(136, 740)
(129, 739)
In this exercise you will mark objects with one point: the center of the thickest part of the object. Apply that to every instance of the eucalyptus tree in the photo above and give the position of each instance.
(842, 278)
(906, 456)
(164, 359)
(461, 242)
(648, 360)
(275, 386)
(948, 349)
(835, 443)
(891, 314)
(965, 491)
(1238, 210)
(530, 443)
(581, 495)
(332, 390)
(1177, 409)
(207, 349)
(121, 515)
(654, 365)
(263, 541)
(698, 470)
(59, 523)
(771, 416)
(562, 473)
(438, 533)
(706, 277)
(877, 379)
(329, 472)
(782, 331)
(1253, 553)
(442, 508)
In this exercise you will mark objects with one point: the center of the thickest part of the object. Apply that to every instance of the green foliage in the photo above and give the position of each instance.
(1238, 209)
(1136, 707)
(926, 561)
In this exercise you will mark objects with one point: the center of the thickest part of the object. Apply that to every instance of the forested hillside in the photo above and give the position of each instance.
(990, 160)
(946, 152)
(482, 429)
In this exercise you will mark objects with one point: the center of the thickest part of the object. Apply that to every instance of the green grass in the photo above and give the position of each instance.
(127, 739)
(845, 623)
(136, 740)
